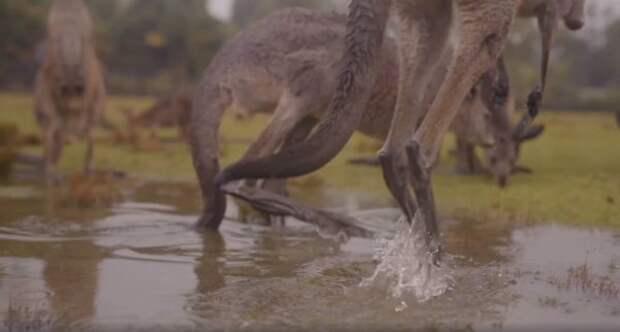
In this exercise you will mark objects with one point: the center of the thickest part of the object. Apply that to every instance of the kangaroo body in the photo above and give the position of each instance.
(477, 30)
(297, 80)
(69, 88)
(501, 158)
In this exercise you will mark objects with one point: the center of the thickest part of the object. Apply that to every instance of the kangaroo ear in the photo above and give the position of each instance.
(531, 133)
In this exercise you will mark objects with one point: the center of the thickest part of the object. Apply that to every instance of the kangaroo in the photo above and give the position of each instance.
(501, 158)
(426, 27)
(173, 110)
(501, 147)
(249, 75)
(300, 86)
(69, 88)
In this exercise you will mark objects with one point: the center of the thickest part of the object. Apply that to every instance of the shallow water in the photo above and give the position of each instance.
(140, 265)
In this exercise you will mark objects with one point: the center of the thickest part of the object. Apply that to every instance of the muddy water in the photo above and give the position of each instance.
(139, 265)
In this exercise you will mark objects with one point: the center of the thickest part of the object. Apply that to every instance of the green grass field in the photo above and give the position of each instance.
(576, 166)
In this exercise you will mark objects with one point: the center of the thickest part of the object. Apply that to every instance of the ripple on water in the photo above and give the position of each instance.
(141, 264)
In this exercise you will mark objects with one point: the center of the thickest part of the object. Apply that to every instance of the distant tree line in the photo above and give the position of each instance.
(146, 45)
(149, 46)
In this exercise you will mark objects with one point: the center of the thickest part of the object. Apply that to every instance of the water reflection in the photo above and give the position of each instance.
(478, 241)
(211, 264)
(543, 259)
(71, 276)
(140, 264)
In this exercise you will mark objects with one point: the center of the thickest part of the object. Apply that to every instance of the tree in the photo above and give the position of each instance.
(22, 23)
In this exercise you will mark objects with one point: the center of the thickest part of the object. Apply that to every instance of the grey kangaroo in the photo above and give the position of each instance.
(296, 80)
(69, 88)
(426, 28)
(501, 158)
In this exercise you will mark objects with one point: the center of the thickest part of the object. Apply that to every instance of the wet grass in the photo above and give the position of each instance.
(576, 166)
(582, 279)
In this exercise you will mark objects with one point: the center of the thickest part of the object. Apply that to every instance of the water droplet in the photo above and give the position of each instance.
(405, 265)
(401, 307)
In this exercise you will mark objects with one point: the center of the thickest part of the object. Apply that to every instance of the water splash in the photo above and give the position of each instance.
(405, 265)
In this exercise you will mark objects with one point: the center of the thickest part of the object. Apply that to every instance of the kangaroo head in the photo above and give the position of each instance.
(501, 157)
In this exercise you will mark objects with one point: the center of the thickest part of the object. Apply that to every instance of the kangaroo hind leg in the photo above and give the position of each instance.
(481, 29)
(423, 38)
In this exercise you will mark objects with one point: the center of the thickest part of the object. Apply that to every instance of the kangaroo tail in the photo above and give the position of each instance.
(365, 28)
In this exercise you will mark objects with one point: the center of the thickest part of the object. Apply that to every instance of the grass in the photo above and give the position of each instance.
(30, 318)
(576, 164)
(581, 279)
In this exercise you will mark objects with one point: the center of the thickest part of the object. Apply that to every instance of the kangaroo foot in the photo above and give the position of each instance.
(207, 222)
(277, 205)
(421, 181)
(533, 102)
(213, 213)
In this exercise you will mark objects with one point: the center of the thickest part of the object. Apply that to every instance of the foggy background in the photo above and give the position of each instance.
(148, 46)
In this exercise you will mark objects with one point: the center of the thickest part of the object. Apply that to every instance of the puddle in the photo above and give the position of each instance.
(565, 278)
(140, 265)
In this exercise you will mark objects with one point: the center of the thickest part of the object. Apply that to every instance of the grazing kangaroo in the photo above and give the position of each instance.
(173, 110)
(300, 86)
(69, 89)
(478, 28)
(501, 158)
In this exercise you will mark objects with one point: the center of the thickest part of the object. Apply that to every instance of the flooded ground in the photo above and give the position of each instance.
(139, 265)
